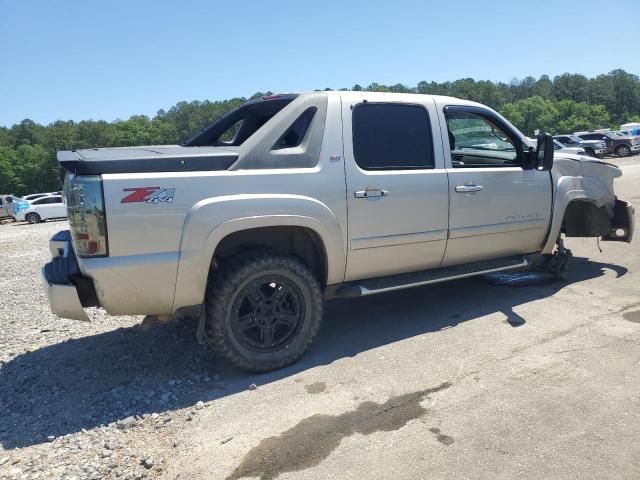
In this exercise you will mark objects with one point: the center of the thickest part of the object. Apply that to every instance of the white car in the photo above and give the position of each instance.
(41, 209)
(561, 147)
(35, 196)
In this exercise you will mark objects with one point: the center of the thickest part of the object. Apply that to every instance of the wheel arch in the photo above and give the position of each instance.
(222, 225)
(583, 204)
(302, 242)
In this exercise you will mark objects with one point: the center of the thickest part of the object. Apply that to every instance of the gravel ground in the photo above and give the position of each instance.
(532, 381)
(87, 400)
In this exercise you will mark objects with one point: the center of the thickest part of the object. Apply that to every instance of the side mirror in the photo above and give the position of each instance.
(544, 152)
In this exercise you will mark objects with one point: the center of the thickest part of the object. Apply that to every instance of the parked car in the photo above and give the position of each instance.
(592, 148)
(35, 196)
(41, 209)
(619, 145)
(632, 128)
(6, 205)
(560, 147)
(317, 195)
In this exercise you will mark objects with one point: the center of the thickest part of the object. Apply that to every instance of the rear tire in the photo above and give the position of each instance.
(263, 309)
(33, 218)
(623, 151)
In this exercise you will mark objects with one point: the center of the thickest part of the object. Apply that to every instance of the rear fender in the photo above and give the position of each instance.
(211, 220)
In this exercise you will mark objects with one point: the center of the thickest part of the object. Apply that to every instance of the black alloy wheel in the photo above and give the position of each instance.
(267, 312)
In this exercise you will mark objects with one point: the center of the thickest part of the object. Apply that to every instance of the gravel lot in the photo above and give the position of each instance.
(520, 377)
(87, 400)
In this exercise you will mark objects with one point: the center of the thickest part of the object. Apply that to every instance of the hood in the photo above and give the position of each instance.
(150, 158)
(582, 165)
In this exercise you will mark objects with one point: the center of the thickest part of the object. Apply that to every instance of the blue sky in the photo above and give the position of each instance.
(72, 59)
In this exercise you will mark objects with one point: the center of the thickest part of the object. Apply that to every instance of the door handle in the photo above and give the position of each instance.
(469, 188)
(372, 193)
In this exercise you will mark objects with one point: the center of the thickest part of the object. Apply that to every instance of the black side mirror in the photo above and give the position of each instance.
(544, 152)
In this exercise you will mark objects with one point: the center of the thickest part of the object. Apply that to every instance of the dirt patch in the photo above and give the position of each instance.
(314, 438)
(317, 387)
(632, 316)
(441, 437)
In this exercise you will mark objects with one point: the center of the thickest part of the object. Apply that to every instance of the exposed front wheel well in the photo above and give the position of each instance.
(301, 242)
(583, 219)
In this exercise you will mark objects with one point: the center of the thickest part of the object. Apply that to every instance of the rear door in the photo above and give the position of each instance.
(3, 208)
(58, 209)
(42, 207)
(497, 208)
(396, 186)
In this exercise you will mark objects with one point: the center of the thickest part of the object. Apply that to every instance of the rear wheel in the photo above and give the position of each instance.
(623, 151)
(263, 310)
(33, 218)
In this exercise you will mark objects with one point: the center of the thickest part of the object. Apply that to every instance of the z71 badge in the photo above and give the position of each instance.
(149, 195)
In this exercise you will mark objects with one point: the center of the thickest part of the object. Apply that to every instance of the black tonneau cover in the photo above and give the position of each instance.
(163, 158)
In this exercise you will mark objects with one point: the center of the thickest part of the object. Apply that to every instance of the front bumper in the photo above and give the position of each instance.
(68, 291)
(622, 223)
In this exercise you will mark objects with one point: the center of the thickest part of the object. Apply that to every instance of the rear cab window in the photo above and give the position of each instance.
(392, 136)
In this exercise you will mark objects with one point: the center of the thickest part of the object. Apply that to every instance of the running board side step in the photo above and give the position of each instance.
(426, 277)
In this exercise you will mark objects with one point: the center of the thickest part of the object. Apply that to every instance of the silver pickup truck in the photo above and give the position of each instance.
(292, 199)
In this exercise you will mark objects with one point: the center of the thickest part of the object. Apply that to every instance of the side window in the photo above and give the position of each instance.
(392, 136)
(39, 202)
(55, 200)
(478, 142)
(231, 133)
(296, 132)
(9, 199)
(0, 201)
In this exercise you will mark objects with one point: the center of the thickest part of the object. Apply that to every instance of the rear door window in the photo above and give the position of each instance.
(392, 136)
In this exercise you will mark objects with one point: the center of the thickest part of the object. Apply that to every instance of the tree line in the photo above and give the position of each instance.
(566, 103)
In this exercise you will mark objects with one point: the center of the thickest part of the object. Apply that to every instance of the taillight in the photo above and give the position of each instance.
(85, 208)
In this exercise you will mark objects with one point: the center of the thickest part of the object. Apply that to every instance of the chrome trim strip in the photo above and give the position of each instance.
(402, 239)
(497, 228)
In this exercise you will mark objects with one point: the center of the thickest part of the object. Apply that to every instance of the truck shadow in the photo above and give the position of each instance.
(86, 382)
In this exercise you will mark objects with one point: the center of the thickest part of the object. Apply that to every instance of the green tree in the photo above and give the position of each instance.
(531, 114)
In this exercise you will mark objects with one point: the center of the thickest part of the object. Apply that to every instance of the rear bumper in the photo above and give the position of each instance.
(622, 223)
(68, 291)
(63, 299)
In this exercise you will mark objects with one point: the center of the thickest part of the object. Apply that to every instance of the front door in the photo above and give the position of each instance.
(396, 187)
(497, 208)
